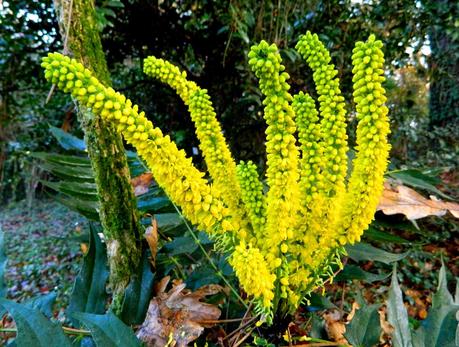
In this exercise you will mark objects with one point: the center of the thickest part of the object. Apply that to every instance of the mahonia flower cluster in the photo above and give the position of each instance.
(285, 242)
(220, 164)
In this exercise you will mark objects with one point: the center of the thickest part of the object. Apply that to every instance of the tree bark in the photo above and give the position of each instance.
(118, 212)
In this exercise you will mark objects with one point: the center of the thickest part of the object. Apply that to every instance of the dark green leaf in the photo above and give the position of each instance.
(353, 272)
(152, 204)
(181, 245)
(417, 179)
(43, 303)
(397, 315)
(382, 236)
(364, 251)
(67, 160)
(33, 328)
(318, 328)
(66, 140)
(107, 330)
(319, 302)
(86, 208)
(201, 276)
(89, 293)
(138, 294)
(78, 190)
(72, 173)
(364, 329)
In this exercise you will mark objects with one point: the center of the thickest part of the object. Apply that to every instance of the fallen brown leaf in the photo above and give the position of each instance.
(141, 183)
(151, 235)
(335, 327)
(401, 199)
(179, 314)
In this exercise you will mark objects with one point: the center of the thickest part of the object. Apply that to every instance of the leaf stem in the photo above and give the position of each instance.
(217, 271)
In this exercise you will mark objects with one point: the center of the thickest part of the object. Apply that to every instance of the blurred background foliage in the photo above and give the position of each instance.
(210, 40)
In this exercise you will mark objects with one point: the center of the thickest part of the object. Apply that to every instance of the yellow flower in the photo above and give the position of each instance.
(332, 111)
(253, 198)
(253, 273)
(370, 163)
(174, 172)
(220, 164)
(282, 154)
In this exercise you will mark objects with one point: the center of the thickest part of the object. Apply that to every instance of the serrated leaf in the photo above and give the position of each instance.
(66, 140)
(353, 272)
(442, 297)
(43, 303)
(107, 330)
(365, 328)
(364, 251)
(33, 327)
(89, 293)
(417, 179)
(397, 315)
(138, 294)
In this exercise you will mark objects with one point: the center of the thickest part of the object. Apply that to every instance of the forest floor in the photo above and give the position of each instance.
(42, 246)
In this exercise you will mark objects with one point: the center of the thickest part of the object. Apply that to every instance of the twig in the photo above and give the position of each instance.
(239, 329)
(217, 321)
(67, 330)
(244, 337)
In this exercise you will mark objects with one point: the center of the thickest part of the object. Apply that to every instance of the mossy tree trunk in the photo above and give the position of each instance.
(118, 213)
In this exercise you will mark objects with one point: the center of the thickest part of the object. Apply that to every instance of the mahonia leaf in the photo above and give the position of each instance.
(33, 327)
(107, 330)
(138, 294)
(365, 328)
(89, 293)
(397, 315)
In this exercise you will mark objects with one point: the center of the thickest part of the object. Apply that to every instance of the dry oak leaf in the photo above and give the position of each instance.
(141, 183)
(178, 314)
(404, 200)
(335, 327)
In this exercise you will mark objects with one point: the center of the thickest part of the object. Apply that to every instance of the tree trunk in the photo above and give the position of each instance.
(118, 213)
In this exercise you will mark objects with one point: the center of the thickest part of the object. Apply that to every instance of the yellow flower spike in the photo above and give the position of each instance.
(220, 163)
(253, 272)
(282, 154)
(372, 151)
(252, 196)
(166, 162)
(309, 136)
(332, 111)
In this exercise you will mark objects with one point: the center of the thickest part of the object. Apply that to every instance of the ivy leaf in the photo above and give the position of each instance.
(364, 251)
(365, 328)
(89, 293)
(33, 327)
(107, 330)
(397, 315)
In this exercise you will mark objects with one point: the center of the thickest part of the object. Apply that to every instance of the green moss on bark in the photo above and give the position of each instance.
(118, 213)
